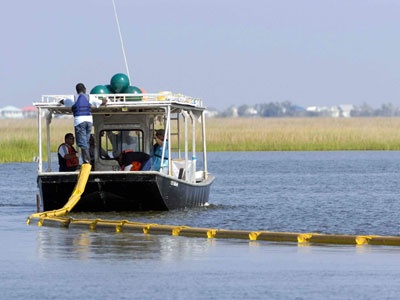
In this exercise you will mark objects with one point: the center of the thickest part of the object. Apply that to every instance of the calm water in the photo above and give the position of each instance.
(327, 192)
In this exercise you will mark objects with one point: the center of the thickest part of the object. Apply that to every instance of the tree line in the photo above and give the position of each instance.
(288, 109)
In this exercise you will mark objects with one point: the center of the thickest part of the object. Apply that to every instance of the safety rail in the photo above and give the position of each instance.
(166, 97)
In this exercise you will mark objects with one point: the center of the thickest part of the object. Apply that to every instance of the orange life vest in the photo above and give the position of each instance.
(133, 159)
(67, 164)
(72, 162)
(136, 166)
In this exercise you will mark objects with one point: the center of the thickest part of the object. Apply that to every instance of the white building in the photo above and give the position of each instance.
(335, 111)
(11, 112)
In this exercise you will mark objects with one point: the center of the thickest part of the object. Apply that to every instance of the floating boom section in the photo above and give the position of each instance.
(211, 233)
(73, 199)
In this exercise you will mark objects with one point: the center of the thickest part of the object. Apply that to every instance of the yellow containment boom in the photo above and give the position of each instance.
(73, 199)
(213, 233)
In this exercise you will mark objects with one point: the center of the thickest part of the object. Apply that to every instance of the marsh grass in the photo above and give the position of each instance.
(304, 134)
(18, 143)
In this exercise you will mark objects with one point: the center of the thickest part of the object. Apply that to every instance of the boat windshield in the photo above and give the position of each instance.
(113, 142)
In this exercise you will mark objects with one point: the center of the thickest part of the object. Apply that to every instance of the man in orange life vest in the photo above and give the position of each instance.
(68, 157)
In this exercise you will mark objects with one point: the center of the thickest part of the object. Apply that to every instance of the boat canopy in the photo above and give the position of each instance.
(138, 116)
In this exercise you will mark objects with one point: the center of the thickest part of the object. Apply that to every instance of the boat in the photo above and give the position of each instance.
(127, 123)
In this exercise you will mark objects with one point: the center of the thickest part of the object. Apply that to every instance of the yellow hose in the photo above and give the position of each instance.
(73, 199)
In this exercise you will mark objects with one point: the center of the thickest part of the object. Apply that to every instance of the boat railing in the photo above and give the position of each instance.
(128, 99)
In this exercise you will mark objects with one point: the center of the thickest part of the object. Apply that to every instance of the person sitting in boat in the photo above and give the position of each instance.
(157, 152)
(68, 157)
(121, 140)
(130, 160)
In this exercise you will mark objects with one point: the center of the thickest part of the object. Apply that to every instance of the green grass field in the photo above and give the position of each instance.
(18, 143)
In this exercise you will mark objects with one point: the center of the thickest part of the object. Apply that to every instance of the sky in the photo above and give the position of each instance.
(229, 53)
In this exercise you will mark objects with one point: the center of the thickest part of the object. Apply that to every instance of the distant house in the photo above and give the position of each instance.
(325, 111)
(11, 112)
(345, 110)
(250, 112)
(29, 112)
(211, 113)
(332, 111)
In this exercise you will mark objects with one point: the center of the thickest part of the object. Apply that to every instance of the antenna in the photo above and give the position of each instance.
(120, 37)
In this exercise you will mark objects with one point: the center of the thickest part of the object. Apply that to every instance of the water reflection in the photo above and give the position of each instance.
(83, 244)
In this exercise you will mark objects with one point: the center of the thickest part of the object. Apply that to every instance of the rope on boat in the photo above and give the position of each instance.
(211, 233)
(73, 199)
